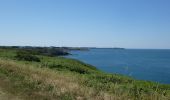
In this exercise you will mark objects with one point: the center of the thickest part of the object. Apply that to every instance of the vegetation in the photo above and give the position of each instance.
(59, 78)
(23, 55)
(46, 51)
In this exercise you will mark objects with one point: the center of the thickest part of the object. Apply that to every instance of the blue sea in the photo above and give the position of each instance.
(142, 64)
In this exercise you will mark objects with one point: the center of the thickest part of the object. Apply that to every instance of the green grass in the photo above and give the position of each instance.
(68, 79)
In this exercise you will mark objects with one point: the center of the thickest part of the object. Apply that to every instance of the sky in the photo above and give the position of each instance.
(86, 23)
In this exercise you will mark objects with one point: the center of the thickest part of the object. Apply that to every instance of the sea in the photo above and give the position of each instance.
(141, 64)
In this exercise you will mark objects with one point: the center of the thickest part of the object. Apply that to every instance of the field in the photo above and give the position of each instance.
(59, 78)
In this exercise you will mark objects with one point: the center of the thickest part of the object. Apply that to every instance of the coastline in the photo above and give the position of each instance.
(42, 79)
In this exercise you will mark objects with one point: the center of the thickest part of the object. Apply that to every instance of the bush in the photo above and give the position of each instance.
(73, 69)
(23, 55)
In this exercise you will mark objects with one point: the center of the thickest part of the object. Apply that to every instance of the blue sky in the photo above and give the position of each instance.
(92, 23)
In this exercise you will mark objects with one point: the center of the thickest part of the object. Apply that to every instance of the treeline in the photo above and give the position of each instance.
(29, 53)
(46, 51)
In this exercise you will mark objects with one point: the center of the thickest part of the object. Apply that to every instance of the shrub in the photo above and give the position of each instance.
(73, 69)
(23, 55)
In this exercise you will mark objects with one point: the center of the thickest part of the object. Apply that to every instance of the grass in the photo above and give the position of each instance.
(59, 78)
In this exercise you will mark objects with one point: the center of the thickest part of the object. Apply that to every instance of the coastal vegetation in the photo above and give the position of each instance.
(29, 73)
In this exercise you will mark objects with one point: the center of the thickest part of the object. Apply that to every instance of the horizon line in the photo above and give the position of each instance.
(97, 47)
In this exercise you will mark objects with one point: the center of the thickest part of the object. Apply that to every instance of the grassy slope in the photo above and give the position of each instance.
(66, 79)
